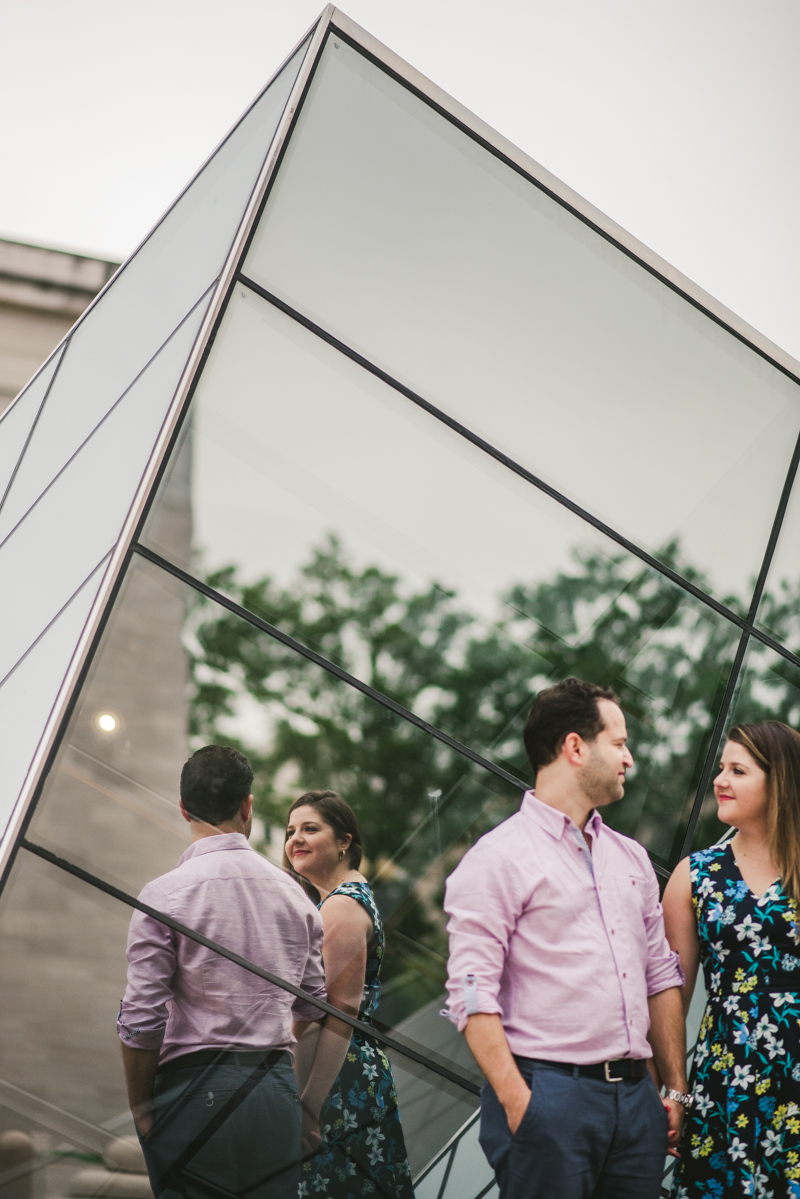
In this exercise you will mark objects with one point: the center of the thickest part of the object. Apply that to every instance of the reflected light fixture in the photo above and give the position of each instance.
(106, 722)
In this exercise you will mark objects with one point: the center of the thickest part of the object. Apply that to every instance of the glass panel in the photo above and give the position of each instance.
(63, 946)
(470, 1172)
(779, 613)
(17, 420)
(331, 506)
(78, 519)
(768, 689)
(151, 294)
(63, 952)
(28, 693)
(401, 235)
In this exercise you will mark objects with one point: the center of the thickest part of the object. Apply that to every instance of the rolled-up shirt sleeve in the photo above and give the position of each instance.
(313, 979)
(483, 900)
(143, 1013)
(663, 969)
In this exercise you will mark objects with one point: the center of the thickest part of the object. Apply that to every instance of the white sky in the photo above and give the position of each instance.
(679, 118)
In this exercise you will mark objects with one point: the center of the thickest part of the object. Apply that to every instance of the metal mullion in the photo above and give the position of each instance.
(750, 631)
(421, 1058)
(713, 746)
(311, 655)
(499, 456)
(775, 532)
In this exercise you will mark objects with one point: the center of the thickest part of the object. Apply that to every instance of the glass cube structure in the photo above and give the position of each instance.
(380, 430)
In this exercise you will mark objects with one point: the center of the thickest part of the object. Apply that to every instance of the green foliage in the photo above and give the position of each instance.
(420, 804)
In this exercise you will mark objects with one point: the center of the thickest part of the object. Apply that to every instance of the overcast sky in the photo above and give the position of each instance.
(679, 118)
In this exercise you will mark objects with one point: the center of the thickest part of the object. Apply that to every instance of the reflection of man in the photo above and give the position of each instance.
(206, 1045)
(559, 965)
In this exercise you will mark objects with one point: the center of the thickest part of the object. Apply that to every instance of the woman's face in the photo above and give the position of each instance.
(740, 787)
(312, 846)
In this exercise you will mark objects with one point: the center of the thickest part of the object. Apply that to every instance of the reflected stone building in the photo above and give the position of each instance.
(381, 430)
(42, 293)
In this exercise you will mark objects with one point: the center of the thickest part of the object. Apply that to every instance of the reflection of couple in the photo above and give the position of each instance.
(207, 1046)
(564, 982)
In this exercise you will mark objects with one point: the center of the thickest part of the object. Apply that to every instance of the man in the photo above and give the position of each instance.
(559, 966)
(206, 1045)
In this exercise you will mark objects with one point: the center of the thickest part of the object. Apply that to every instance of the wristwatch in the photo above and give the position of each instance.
(680, 1097)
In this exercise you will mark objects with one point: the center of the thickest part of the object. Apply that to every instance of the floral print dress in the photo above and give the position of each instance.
(742, 1135)
(364, 1153)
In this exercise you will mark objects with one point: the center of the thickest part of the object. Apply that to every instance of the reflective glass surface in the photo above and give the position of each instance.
(63, 951)
(401, 235)
(17, 421)
(110, 801)
(768, 689)
(78, 519)
(151, 293)
(28, 692)
(330, 505)
(779, 612)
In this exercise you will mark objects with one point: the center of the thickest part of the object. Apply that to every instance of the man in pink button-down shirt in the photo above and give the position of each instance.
(560, 974)
(207, 1046)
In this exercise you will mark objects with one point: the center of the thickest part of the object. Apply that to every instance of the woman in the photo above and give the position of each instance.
(364, 1152)
(734, 907)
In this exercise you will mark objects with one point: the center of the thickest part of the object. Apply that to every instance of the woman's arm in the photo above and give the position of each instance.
(680, 924)
(347, 928)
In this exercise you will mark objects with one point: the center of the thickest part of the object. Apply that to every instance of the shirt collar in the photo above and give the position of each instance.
(555, 822)
(214, 844)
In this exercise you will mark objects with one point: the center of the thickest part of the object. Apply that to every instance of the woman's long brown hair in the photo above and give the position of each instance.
(776, 749)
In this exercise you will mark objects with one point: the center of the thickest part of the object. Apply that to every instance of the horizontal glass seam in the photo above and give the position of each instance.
(745, 623)
(495, 453)
(423, 1058)
(225, 602)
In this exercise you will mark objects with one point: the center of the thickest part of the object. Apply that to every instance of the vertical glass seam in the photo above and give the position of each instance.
(35, 423)
(716, 737)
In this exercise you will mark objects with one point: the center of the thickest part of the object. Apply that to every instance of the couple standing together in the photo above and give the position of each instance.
(572, 994)
(238, 1087)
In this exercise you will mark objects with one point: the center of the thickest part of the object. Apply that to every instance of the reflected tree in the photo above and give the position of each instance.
(609, 619)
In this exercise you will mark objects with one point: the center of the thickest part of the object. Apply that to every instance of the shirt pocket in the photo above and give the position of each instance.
(632, 893)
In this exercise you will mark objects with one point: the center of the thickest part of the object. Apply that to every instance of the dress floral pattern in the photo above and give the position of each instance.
(742, 1135)
(365, 1153)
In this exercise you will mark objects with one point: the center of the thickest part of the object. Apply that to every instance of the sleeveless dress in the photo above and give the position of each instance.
(365, 1153)
(742, 1135)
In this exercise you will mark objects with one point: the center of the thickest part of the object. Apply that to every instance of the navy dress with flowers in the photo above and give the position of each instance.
(364, 1153)
(742, 1136)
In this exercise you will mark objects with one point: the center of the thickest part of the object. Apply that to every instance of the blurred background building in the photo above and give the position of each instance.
(42, 293)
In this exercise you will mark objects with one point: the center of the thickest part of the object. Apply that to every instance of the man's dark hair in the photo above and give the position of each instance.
(214, 782)
(568, 707)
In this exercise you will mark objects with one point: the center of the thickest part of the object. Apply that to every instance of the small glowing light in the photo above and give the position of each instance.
(107, 722)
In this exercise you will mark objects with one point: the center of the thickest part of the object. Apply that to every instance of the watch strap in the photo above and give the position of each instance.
(680, 1097)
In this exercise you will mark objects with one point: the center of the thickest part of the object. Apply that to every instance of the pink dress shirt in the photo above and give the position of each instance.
(182, 997)
(565, 945)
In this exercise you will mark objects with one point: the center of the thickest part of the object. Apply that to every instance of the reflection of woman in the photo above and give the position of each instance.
(364, 1152)
(734, 907)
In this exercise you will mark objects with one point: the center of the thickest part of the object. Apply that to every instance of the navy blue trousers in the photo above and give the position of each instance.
(253, 1154)
(581, 1138)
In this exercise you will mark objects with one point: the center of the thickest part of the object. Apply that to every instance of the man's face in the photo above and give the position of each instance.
(603, 774)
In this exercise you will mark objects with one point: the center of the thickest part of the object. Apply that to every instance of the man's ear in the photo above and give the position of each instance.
(246, 808)
(184, 813)
(572, 748)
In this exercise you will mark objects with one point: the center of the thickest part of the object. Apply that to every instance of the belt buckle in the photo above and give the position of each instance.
(610, 1077)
